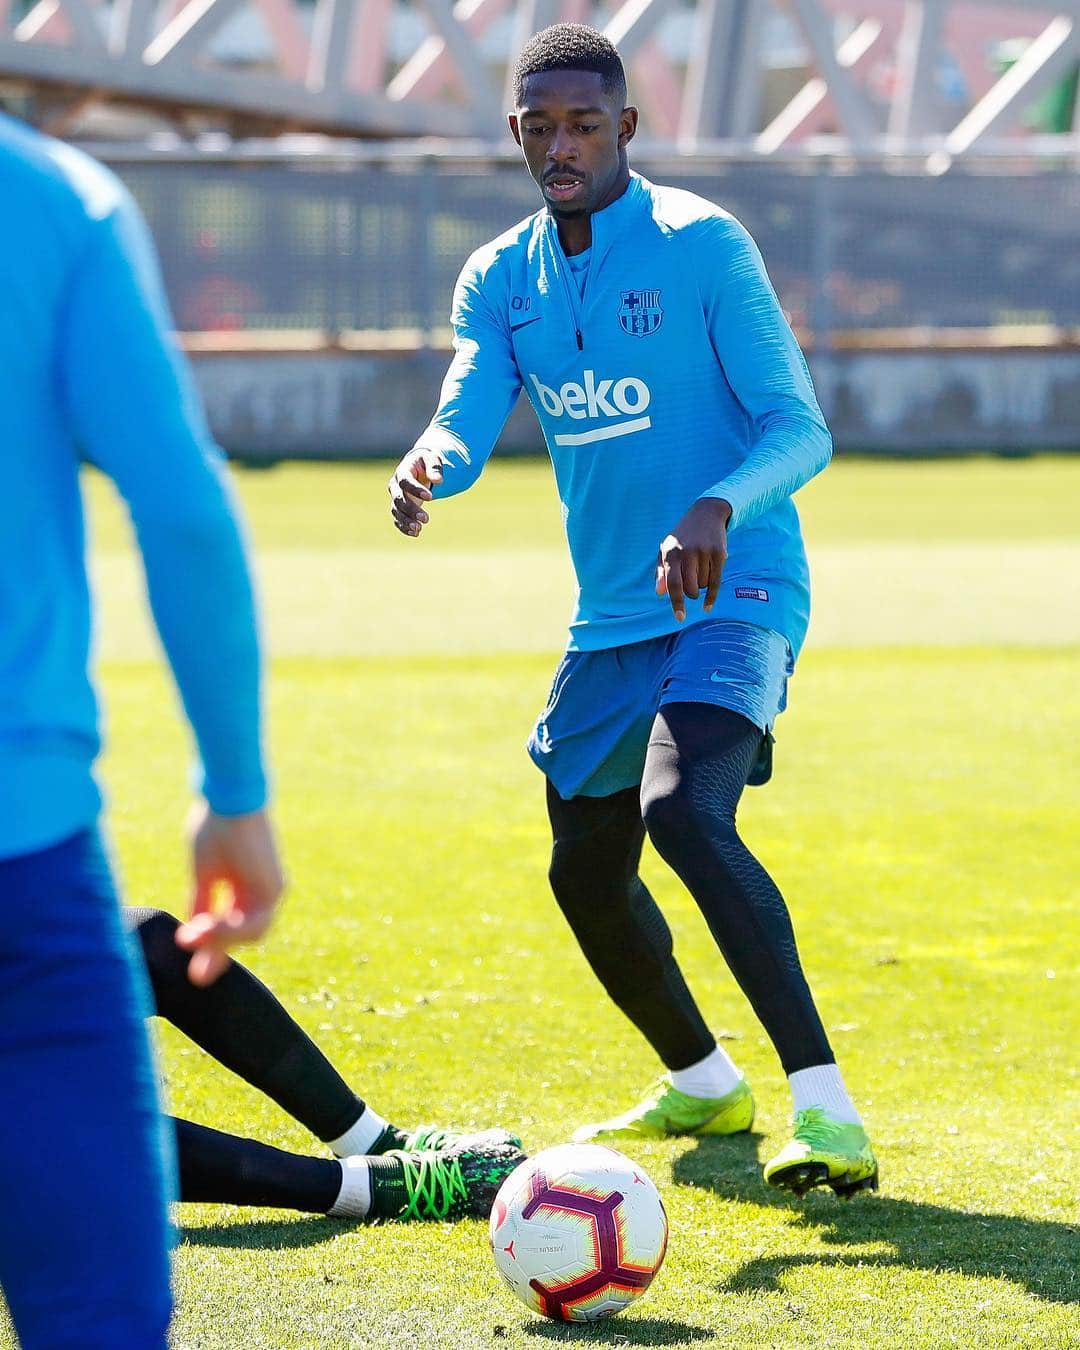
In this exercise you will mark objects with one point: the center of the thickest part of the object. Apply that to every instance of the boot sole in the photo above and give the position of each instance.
(803, 1177)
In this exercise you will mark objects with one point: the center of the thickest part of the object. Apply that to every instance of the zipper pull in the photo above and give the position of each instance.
(580, 344)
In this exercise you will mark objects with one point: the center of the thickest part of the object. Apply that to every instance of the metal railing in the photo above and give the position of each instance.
(356, 242)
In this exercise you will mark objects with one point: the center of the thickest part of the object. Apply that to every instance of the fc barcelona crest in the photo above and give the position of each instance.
(640, 314)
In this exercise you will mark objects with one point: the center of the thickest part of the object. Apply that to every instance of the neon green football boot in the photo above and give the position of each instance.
(824, 1152)
(666, 1111)
(444, 1185)
(426, 1137)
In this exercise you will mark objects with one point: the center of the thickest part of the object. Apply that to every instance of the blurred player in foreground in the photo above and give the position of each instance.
(88, 371)
(680, 419)
(380, 1171)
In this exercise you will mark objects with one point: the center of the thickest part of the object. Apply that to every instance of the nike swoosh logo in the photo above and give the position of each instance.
(717, 678)
(515, 326)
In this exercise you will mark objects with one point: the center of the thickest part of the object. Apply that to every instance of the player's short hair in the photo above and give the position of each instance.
(570, 46)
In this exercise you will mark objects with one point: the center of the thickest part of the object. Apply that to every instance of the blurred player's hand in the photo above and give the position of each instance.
(409, 488)
(238, 883)
(691, 558)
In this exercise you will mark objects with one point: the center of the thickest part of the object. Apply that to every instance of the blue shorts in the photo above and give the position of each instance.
(591, 738)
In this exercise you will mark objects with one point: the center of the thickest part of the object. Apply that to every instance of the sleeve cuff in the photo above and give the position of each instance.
(236, 797)
(722, 491)
(435, 437)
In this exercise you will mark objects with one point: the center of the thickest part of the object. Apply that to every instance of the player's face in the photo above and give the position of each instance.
(574, 137)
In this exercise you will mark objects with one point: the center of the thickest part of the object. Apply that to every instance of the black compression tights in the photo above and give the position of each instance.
(625, 938)
(695, 771)
(223, 1169)
(240, 1022)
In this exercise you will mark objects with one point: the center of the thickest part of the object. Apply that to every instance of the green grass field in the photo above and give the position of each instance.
(922, 822)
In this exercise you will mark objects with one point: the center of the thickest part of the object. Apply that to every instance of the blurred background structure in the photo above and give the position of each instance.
(316, 173)
(756, 75)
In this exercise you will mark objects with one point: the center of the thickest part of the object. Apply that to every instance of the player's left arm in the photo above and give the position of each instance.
(767, 372)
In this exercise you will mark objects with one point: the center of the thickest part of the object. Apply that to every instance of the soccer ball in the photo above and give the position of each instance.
(578, 1232)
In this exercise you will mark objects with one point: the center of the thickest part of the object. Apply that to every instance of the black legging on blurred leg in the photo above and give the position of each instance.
(223, 1169)
(696, 768)
(240, 1022)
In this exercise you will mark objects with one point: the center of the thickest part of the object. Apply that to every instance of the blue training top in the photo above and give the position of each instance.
(88, 371)
(673, 375)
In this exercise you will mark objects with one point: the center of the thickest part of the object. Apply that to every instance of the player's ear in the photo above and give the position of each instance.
(628, 120)
(515, 130)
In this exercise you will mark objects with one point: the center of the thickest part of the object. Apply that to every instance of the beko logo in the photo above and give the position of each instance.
(593, 399)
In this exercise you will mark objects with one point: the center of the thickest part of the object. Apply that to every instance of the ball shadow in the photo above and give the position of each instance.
(619, 1331)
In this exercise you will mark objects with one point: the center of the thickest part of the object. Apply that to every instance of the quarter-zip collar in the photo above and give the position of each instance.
(574, 303)
(606, 225)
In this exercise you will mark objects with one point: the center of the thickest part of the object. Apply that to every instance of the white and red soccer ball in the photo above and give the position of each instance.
(578, 1232)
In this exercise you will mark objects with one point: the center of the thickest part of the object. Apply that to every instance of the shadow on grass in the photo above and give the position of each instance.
(632, 1331)
(310, 1232)
(1042, 1257)
(268, 1234)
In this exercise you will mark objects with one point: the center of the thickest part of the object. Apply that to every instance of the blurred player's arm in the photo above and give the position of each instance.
(477, 396)
(767, 372)
(135, 414)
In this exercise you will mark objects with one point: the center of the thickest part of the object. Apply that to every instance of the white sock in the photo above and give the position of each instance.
(359, 1137)
(823, 1086)
(714, 1076)
(354, 1198)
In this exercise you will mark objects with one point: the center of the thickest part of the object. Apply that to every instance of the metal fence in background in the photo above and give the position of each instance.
(334, 243)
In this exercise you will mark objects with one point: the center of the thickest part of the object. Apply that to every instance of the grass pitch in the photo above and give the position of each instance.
(922, 823)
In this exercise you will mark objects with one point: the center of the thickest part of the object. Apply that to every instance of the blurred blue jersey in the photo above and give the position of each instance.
(671, 374)
(88, 371)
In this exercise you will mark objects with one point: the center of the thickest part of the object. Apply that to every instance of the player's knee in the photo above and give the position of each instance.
(593, 895)
(665, 809)
(681, 822)
(568, 874)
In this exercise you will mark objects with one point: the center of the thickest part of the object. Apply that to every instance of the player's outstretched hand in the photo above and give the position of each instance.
(691, 558)
(410, 486)
(238, 883)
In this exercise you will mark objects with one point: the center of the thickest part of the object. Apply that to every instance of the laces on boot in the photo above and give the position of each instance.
(430, 1137)
(815, 1127)
(433, 1183)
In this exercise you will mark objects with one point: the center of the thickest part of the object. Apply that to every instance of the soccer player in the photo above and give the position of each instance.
(380, 1171)
(680, 419)
(87, 371)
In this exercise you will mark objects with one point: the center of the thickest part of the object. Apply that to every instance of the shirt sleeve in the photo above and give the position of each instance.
(478, 392)
(767, 373)
(134, 413)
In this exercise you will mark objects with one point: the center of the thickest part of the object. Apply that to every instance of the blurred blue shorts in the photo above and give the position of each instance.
(591, 738)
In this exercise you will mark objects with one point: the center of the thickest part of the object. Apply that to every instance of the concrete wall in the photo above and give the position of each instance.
(339, 404)
(919, 402)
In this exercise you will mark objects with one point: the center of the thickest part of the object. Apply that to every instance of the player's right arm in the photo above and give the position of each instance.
(134, 413)
(477, 396)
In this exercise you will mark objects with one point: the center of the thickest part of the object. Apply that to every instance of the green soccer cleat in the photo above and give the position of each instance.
(444, 1185)
(666, 1111)
(426, 1137)
(824, 1152)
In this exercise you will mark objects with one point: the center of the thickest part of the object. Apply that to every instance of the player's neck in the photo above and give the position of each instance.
(575, 232)
(575, 235)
